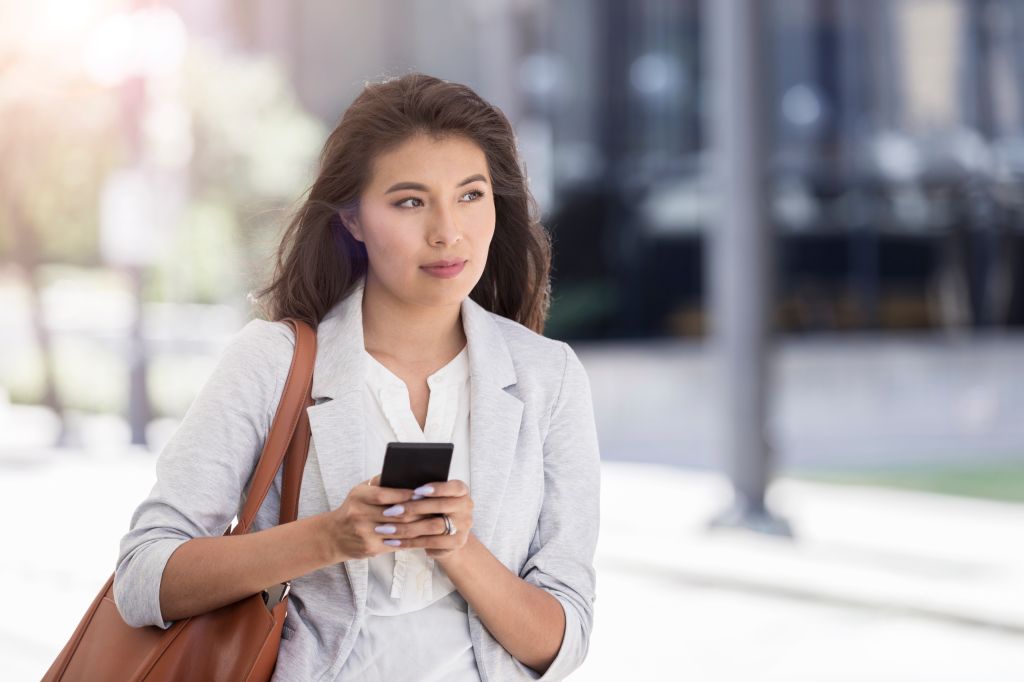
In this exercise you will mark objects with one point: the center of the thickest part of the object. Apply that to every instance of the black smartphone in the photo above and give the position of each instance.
(410, 465)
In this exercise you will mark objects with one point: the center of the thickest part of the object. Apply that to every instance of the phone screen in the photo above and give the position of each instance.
(410, 465)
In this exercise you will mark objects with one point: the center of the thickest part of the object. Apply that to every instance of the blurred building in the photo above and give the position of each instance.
(898, 149)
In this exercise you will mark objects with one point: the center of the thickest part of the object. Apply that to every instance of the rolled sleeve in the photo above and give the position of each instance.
(561, 557)
(204, 469)
(142, 567)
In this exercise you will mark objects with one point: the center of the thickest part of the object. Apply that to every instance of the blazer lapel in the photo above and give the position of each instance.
(338, 422)
(336, 419)
(494, 416)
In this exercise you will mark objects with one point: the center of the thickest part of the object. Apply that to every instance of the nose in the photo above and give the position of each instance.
(444, 229)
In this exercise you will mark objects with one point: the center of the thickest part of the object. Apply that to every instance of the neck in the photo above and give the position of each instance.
(409, 333)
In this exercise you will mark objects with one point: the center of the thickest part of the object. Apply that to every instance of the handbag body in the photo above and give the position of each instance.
(238, 641)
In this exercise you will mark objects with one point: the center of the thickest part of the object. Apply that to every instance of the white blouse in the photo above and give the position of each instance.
(416, 625)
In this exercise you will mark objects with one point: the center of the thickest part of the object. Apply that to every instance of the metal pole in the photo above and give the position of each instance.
(133, 94)
(741, 252)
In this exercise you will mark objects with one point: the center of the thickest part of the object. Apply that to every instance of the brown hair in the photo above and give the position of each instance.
(318, 262)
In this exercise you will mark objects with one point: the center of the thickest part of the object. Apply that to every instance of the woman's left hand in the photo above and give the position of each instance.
(420, 525)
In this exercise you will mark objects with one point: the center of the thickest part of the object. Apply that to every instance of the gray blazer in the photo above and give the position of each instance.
(534, 463)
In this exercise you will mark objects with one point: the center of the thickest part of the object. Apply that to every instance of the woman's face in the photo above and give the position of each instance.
(427, 201)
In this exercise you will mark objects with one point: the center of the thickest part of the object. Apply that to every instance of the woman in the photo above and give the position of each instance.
(419, 171)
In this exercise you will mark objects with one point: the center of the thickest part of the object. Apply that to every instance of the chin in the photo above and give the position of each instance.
(442, 294)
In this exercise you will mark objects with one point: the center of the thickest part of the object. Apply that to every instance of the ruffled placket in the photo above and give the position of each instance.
(442, 409)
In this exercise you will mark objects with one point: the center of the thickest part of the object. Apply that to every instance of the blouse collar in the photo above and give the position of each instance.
(456, 371)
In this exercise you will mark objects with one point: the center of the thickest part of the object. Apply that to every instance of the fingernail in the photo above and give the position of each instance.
(385, 530)
(424, 490)
(417, 497)
(393, 543)
(396, 510)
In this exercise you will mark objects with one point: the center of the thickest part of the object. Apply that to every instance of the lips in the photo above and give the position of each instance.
(445, 263)
(445, 271)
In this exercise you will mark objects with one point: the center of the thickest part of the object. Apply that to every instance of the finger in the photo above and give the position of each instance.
(369, 494)
(430, 542)
(438, 553)
(430, 526)
(396, 513)
(374, 481)
(389, 543)
(405, 518)
(440, 505)
(452, 488)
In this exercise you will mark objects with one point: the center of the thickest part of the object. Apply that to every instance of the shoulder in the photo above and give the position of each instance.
(530, 349)
(539, 361)
(267, 340)
(261, 344)
(265, 335)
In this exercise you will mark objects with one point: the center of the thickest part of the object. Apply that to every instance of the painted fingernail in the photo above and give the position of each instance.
(396, 510)
(385, 530)
(424, 490)
(393, 543)
(417, 497)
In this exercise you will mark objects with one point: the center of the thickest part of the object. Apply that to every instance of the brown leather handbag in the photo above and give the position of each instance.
(235, 642)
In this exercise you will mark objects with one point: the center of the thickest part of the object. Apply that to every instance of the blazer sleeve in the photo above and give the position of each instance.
(202, 472)
(561, 557)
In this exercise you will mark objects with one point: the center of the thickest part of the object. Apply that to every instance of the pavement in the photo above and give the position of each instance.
(876, 585)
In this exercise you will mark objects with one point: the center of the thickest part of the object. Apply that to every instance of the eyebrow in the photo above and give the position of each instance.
(423, 188)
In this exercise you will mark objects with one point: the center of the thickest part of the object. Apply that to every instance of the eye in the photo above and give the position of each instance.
(399, 203)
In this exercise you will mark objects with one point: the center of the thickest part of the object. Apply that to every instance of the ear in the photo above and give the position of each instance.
(351, 222)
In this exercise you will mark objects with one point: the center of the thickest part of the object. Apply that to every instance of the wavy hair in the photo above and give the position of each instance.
(318, 262)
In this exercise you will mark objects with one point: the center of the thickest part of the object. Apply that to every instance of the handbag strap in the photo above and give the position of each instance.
(288, 440)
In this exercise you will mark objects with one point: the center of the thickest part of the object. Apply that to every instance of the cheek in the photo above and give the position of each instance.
(484, 238)
(395, 252)
(388, 240)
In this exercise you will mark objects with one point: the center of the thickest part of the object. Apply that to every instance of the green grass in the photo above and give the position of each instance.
(1003, 481)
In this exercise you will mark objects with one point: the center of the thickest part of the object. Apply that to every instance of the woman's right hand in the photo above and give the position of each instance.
(351, 527)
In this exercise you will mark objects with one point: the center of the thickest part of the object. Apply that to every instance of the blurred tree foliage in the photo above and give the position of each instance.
(252, 153)
(255, 152)
(58, 139)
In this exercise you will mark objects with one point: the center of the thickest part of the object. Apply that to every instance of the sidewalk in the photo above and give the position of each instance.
(877, 586)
